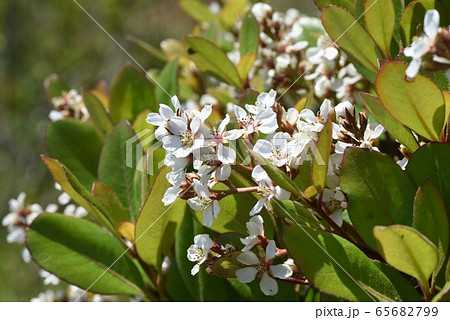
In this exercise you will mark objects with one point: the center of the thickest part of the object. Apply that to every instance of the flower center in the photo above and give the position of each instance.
(264, 191)
(204, 202)
(187, 138)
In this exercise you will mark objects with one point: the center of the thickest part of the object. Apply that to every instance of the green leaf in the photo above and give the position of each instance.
(375, 199)
(417, 104)
(431, 162)
(54, 86)
(443, 295)
(231, 11)
(249, 35)
(157, 224)
(430, 218)
(293, 212)
(347, 4)
(438, 77)
(169, 81)
(130, 94)
(245, 65)
(82, 253)
(116, 168)
(320, 164)
(209, 58)
(407, 250)
(401, 283)
(380, 22)
(97, 114)
(337, 267)
(279, 177)
(77, 145)
(398, 131)
(197, 10)
(72, 186)
(110, 201)
(414, 15)
(351, 37)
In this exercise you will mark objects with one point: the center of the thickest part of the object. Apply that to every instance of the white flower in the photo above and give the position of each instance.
(324, 53)
(263, 269)
(266, 189)
(203, 201)
(49, 278)
(311, 123)
(373, 131)
(73, 211)
(255, 228)
(403, 163)
(336, 202)
(277, 149)
(261, 11)
(198, 252)
(69, 105)
(421, 46)
(264, 101)
(264, 121)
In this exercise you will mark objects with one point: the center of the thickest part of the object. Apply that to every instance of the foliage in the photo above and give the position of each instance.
(257, 106)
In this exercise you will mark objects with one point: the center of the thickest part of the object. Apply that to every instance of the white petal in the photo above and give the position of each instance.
(234, 134)
(268, 285)
(337, 218)
(281, 194)
(223, 124)
(177, 125)
(206, 112)
(248, 258)
(170, 195)
(259, 174)
(155, 119)
(413, 68)
(208, 219)
(431, 23)
(264, 148)
(223, 172)
(226, 154)
(258, 206)
(379, 129)
(281, 271)
(240, 113)
(175, 102)
(216, 208)
(255, 225)
(270, 250)
(165, 111)
(330, 53)
(195, 269)
(246, 275)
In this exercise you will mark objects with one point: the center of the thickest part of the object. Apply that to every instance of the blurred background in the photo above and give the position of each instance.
(38, 38)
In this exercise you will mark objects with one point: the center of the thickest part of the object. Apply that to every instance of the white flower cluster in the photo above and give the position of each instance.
(205, 250)
(17, 222)
(284, 137)
(69, 105)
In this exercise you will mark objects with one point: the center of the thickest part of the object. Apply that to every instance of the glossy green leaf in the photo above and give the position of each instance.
(72, 186)
(407, 250)
(97, 114)
(293, 212)
(402, 283)
(398, 131)
(249, 35)
(417, 104)
(130, 93)
(430, 218)
(209, 58)
(117, 168)
(82, 253)
(110, 201)
(337, 267)
(77, 145)
(169, 81)
(431, 162)
(157, 224)
(320, 164)
(351, 37)
(380, 22)
(375, 199)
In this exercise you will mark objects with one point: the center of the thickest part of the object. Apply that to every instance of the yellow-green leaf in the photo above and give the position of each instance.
(210, 58)
(407, 250)
(343, 28)
(320, 164)
(245, 65)
(397, 130)
(418, 104)
(380, 22)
